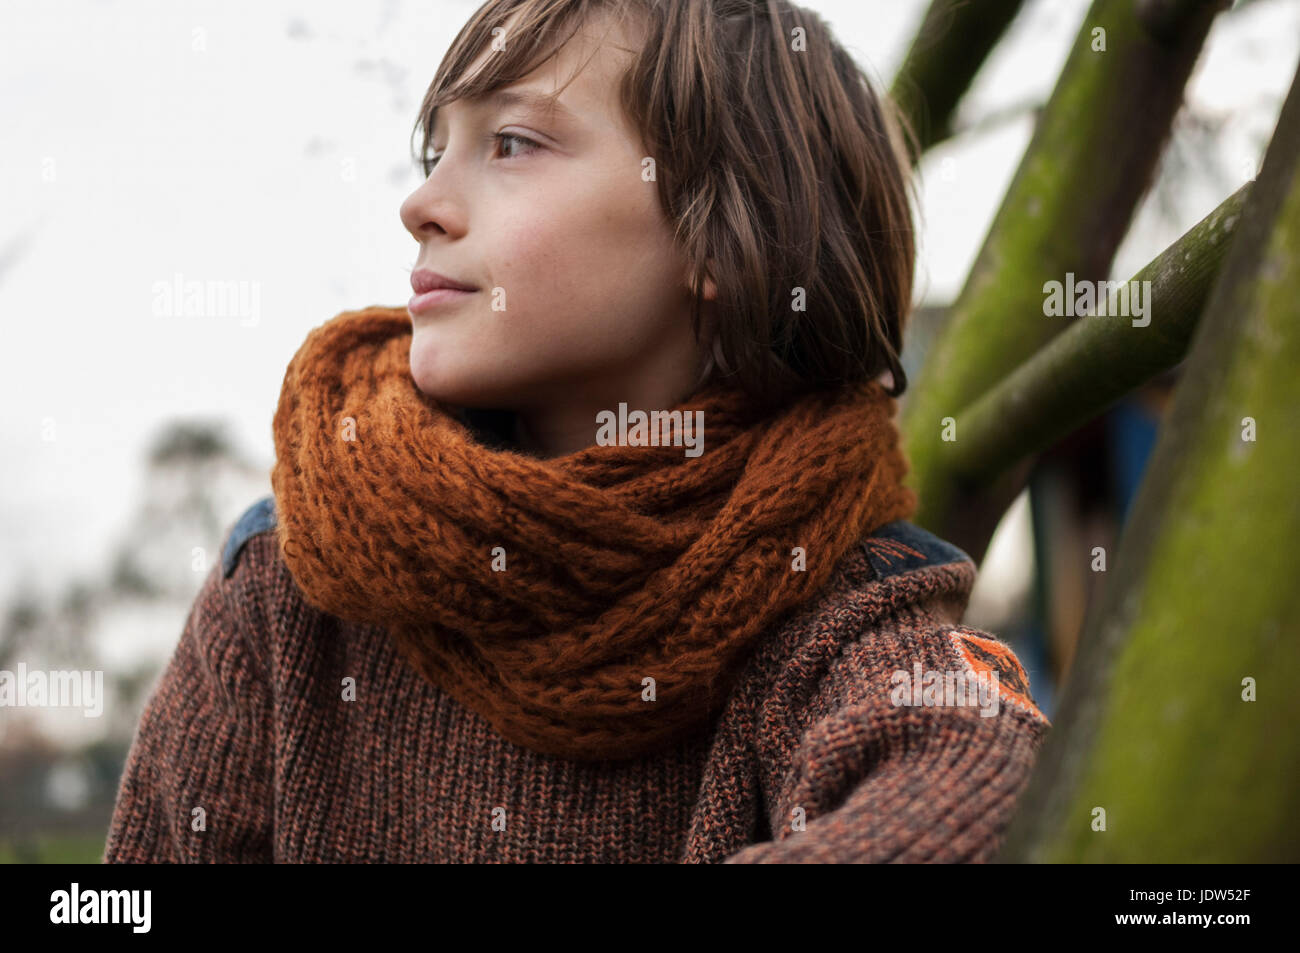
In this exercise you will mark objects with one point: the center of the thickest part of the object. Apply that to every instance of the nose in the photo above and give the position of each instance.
(430, 210)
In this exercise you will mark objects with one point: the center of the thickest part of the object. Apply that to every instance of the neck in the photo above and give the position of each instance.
(559, 430)
(564, 426)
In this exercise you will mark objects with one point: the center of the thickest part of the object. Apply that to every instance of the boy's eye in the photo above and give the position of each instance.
(502, 136)
(432, 161)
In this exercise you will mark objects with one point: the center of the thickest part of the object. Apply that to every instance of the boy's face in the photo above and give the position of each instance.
(582, 297)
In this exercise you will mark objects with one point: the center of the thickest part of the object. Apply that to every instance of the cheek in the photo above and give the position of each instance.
(537, 267)
(596, 249)
(588, 276)
(546, 245)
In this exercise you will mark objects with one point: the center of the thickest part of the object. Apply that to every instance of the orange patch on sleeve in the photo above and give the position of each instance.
(987, 656)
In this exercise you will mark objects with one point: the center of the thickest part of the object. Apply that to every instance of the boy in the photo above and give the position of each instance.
(464, 629)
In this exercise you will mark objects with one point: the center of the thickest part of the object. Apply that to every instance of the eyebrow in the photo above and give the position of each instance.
(530, 100)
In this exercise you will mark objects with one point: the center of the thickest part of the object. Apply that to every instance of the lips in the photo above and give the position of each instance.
(433, 289)
(424, 280)
(438, 296)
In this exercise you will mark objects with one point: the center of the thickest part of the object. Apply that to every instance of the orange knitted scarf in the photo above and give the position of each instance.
(591, 606)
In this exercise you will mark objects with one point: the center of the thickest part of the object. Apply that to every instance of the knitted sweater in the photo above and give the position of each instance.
(278, 733)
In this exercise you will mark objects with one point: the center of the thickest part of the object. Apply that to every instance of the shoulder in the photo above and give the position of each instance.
(893, 593)
(251, 579)
(908, 598)
(893, 611)
(894, 567)
(225, 631)
(258, 518)
(897, 571)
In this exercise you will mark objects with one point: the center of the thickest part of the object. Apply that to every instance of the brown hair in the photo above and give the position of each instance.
(775, 161)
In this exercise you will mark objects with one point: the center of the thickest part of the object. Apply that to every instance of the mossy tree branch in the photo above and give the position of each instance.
(1091, 159)
(1083, 371)
(1154, 727)
(955, 38)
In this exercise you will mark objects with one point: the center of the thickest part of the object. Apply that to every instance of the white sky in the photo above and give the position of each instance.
(267, 142)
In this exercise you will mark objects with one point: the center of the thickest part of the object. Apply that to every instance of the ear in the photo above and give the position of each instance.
(710, 289)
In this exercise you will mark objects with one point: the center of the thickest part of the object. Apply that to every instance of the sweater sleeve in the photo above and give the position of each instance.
(870, 770)
(197, 785)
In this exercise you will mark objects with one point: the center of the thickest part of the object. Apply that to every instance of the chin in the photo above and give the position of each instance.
(444, 384)
(428, 376)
